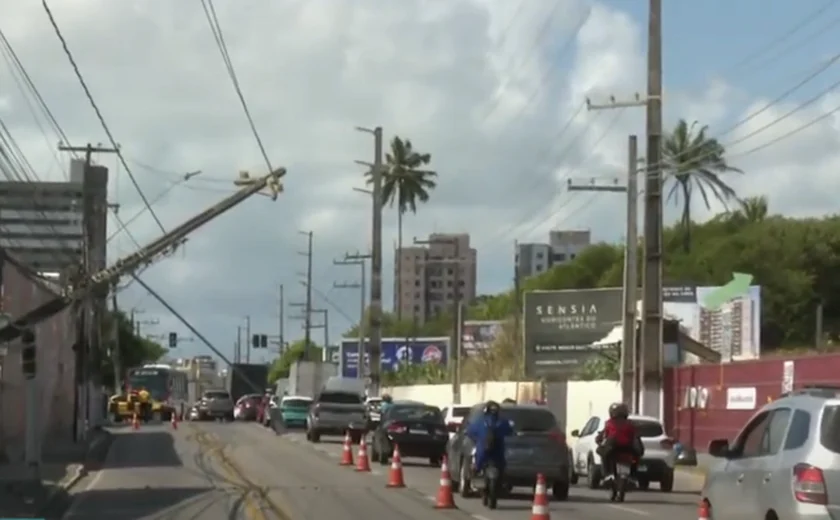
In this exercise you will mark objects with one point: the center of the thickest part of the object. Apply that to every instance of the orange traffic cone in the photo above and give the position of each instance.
(174, 421)
(363, 463)
(539, 511)
(444, 499)
(135, 422)
(703, 512)
(395, 476)
(347, 451)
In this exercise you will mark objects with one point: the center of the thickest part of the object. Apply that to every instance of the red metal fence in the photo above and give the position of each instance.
(695, 407)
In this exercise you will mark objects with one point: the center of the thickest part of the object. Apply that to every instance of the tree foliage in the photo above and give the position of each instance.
(134, 350)
(281, 366)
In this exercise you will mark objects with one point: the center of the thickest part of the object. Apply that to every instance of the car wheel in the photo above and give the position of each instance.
(117, 418)
(560, 490)
(374, 455)
(316, 437)
(464, 484)
(593, 472)
(355, 438)
(435, 461)
(644, 484)
(574, 478)
(666, 484)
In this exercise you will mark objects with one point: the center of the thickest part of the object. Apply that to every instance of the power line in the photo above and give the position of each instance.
(100, 117)
(218, 35)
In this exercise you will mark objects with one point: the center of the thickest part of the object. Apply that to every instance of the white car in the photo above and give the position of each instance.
(453, 416)
(373, 405)
(657, 464)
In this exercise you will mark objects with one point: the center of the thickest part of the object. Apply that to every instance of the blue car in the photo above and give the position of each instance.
(293, 411)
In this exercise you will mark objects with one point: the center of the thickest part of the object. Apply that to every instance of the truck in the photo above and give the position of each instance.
(243, 379)
(307, 377)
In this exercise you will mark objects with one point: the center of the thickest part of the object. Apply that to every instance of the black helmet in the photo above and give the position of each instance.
(492, 408)
(508, 400)
(386, 398)
(619, 411)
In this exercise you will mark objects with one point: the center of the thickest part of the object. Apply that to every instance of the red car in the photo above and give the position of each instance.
(247, 407)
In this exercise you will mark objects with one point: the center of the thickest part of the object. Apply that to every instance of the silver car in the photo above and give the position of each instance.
(783, 462)
(216, 404)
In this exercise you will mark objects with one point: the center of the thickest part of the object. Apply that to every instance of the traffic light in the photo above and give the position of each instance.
(28, 354)
(259, 341)
(173, 339)
(263, 341)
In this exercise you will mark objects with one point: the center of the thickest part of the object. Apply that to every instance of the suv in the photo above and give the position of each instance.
(782, 463)
(538, 446)
(656, 465)
(216, 404)
(336, 413)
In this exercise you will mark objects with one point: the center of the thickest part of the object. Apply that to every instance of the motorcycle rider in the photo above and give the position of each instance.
(618, 437)
(488, 432)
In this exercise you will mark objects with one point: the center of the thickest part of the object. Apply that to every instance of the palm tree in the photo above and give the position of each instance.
(754, 209)
(695, 162)
(405, 183)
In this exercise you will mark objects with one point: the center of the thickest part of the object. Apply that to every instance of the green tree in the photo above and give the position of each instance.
(282, 365)
(405, 183)
(753, 209)
(695, 161)
(133, 349)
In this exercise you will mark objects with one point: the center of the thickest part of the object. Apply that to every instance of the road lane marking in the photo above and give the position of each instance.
(628, 509)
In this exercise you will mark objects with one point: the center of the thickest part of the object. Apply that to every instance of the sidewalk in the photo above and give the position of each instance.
(63, 464)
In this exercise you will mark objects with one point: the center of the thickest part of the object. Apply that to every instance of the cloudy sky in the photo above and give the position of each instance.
(491, 88)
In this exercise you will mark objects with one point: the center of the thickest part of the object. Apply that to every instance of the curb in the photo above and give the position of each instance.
(81, 472)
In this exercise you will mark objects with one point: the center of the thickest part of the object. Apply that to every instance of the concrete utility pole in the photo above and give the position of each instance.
(457, 310)
(91, 310)
(517, 315)
(281, 320)
(237, 351)
(308, 312)
(360, 260)
(248, 339)
(115, 338)
(375, 314)
(139, 324)
(302, 317)
(629, 366)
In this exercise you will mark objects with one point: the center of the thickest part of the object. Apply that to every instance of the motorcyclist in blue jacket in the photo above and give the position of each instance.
(488, 432)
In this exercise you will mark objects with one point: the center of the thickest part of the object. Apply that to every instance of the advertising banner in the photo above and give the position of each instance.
(562, 327)
(478, 336)
(395, 352)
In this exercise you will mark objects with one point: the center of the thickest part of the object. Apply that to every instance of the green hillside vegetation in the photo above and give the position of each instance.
(795, 261)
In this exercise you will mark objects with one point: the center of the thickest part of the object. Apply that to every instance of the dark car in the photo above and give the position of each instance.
(418, 429)
(537, 446)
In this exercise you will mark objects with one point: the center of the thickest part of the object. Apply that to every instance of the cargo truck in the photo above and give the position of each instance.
(243, 379)
(306, 378)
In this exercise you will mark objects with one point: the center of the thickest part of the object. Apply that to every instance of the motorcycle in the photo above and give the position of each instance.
(622, 470)
(489, 486)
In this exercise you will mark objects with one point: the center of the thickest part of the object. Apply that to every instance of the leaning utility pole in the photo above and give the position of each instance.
(375, 315)
(308, 311)
(629, 364)
(360, 260)
(90, 310)
(115, 338)
(457, 309)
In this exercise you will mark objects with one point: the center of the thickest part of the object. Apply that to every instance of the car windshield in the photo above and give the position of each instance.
(216, 395)
(415, 413)
(296, 403)
(460, 411)
(340, 398)
(529, 419)
(647, 427)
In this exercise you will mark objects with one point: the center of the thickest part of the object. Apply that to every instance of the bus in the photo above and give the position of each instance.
(167, 386)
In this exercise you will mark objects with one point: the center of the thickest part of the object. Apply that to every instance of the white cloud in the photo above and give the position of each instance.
(485, 94)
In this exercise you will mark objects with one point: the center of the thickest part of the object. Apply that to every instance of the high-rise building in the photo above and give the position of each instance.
(725, 330)
(429, 277)
(563, 246)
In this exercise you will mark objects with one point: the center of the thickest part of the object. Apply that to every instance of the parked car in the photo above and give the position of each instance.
(336, 412)
(216, 404)
(417, 428)
(538, 446)
(247, 408)
(294, 409)
(454, 415)
(783, 462)
(657, 464)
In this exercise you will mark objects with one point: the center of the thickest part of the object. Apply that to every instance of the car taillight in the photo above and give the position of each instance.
(396, 428)
(558, 436)
(452, 424)
(667, 443)
(809, 484)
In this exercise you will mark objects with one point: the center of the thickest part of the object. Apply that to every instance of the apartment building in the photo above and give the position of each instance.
(563, 246)
(427, 278)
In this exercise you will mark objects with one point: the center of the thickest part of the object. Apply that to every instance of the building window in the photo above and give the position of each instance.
(416, 283)
(449, 283)
(461, 283)
(540, 256)
(560, 257)
(572, 256)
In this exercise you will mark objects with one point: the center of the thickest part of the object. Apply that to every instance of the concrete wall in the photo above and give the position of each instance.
(441, 395)
(55, 365)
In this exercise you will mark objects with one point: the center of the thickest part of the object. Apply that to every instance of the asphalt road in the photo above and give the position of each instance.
(159, 474)
(307, 482)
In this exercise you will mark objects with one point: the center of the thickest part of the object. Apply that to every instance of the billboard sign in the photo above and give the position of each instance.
(479, 335)
(561, 326)
(395, 352)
